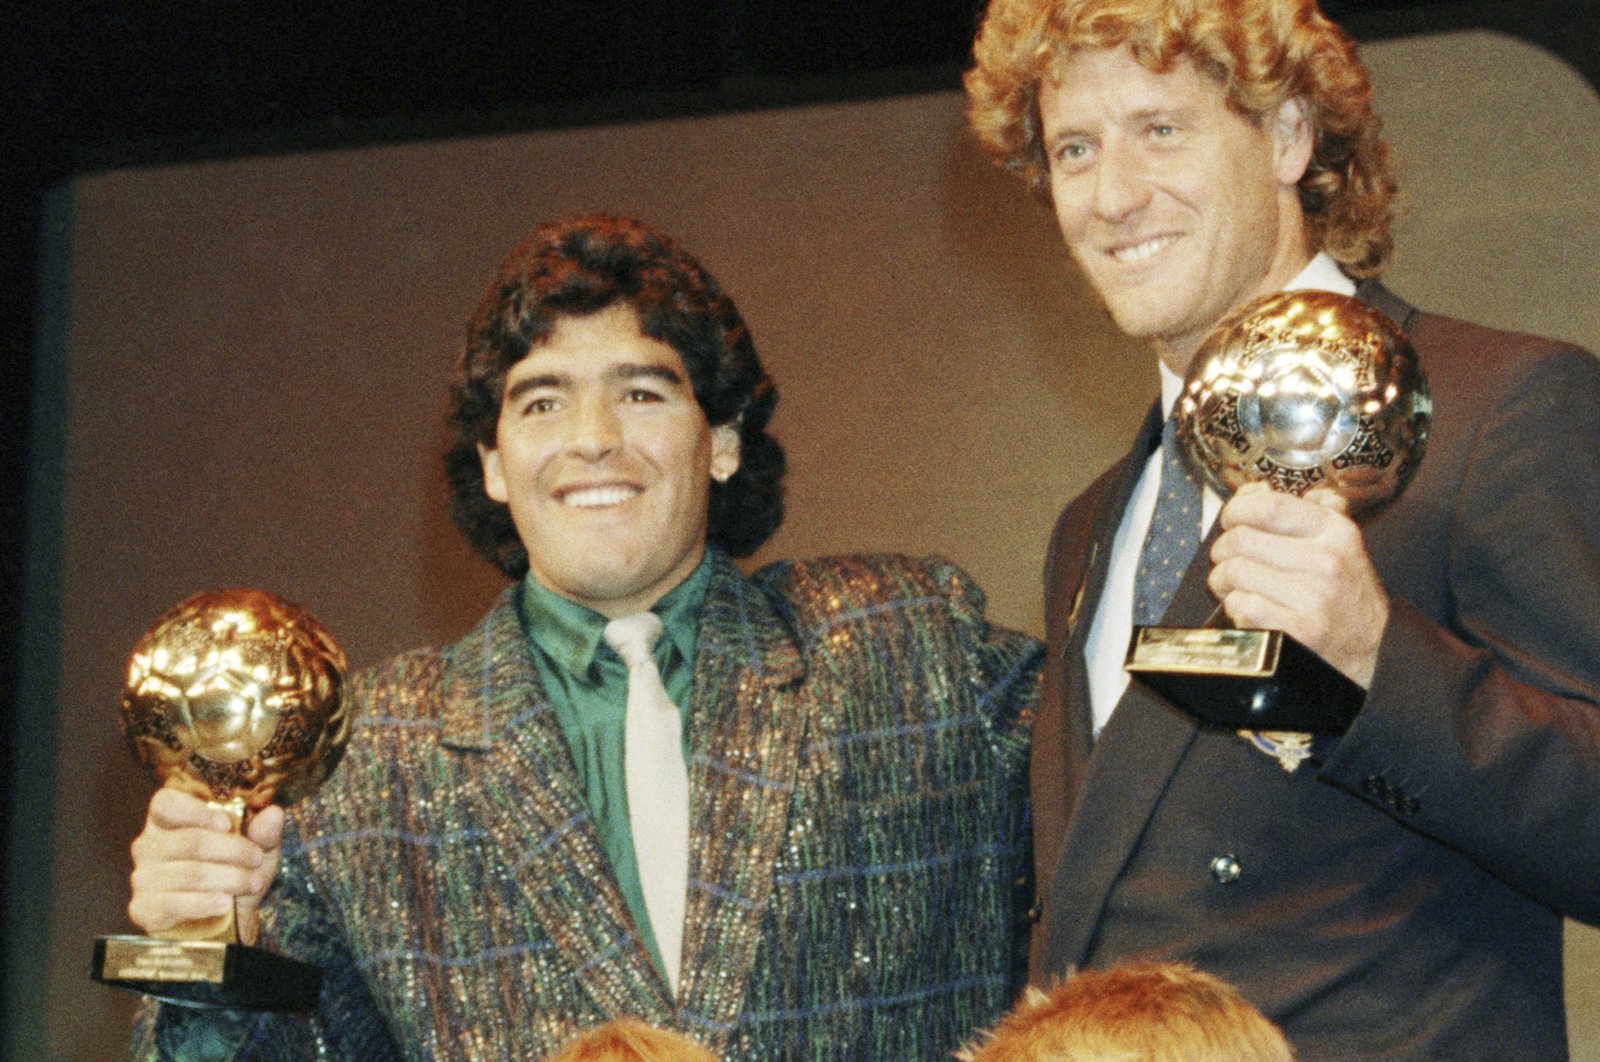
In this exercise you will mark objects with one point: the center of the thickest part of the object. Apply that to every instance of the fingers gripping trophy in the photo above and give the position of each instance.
(234, 696)
(1300, 390)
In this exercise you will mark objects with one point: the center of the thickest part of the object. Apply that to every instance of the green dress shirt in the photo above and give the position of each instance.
(587, 684)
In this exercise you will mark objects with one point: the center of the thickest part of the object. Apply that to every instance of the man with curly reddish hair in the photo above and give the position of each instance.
(1397, 890)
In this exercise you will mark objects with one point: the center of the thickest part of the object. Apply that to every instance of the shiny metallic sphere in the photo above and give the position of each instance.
(237, 695)
(1303, 389)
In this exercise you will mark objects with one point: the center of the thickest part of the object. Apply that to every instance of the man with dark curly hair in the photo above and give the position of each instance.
(790, 827)
(1396, 891)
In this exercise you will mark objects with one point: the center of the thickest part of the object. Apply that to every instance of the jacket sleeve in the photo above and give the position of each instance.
(1003, 668)
(1483, 731)
(1003, 664)
(345, 1026)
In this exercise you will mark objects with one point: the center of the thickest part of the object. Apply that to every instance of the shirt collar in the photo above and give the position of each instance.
(570, 634)
(1322, 273)
(680, 609)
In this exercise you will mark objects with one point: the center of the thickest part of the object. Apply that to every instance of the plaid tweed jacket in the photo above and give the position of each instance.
(858, 763)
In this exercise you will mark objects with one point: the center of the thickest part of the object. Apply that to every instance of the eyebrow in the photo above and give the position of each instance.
(1161, 110)
(1175, 112)
(622, 371)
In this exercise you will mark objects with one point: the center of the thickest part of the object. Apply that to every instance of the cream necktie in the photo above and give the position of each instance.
(657, 783)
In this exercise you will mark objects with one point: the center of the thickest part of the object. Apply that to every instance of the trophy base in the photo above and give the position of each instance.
(204, 973)
(1244, 679)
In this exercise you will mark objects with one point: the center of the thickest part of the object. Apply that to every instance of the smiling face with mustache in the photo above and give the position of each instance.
(605, 459)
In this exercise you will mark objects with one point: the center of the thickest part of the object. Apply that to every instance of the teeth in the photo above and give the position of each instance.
(1140, 251)
(594, 497)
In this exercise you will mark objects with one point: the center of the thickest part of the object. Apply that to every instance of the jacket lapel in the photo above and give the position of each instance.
(1387, 302)
(525, 788)
(1117, 786)
(746, 730)
(1134, 759)
(1107, 519)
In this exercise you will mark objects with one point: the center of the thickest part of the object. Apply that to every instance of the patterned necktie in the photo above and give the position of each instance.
(1174, 534)
(657, 782)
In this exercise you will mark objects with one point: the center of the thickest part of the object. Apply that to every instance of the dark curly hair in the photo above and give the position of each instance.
(580, 266)
(1262, 52)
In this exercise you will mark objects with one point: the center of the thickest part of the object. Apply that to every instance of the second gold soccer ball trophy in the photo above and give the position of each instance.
(1300, 389)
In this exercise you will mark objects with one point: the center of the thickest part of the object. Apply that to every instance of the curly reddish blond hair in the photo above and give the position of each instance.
(1138, 1012)
(1262, 52)
(631, 1040)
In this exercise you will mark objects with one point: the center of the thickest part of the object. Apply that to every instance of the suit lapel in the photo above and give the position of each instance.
(1077, 716)
(1380, 298)
(1118, 785)
(1134, 758)
(525, 788)
(746, 731)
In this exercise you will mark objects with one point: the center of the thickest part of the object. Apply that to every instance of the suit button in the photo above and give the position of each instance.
(1034, 912)
(1225, 870)
(1410, 805)
(1373, 785)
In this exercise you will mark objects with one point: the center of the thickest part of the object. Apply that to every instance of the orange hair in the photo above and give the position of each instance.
(1263, 52)
(631, 1040)
(1140, 1012)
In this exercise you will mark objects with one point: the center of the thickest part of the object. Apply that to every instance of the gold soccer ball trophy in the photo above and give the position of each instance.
(234, 696)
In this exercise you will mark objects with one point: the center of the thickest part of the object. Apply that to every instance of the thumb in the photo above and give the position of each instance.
(1329, 498)
(266, 830)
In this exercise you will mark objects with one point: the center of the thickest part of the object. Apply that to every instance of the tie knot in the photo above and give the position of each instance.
(1169, 436)
(634, 637)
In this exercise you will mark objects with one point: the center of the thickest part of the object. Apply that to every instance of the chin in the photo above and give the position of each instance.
(586, 583)
(1142, 325)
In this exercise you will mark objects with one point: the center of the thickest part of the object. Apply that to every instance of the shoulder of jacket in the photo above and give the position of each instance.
(399, 685)
(828, 590)
(1484, 353)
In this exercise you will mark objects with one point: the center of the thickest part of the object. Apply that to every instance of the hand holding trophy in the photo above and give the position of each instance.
(1300, 389)
(235, 697)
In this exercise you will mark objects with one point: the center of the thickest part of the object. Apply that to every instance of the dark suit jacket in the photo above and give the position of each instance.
(1400, 895)
(857, 782)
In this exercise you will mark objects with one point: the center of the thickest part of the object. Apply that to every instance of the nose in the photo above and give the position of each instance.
(594, 430)
(1121, 185)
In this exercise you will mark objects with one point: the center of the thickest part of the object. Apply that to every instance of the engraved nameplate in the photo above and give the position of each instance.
(1203, 651)
(144, 959)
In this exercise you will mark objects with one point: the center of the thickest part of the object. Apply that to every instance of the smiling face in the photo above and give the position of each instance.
(605, 460)
(1177, 208)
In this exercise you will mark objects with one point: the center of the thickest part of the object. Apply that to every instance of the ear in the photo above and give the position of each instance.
(1291, 127)
(725, 451)
(494, 477)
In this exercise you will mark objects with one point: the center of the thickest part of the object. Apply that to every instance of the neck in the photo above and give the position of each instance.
(1176, 352)
(1176, 356)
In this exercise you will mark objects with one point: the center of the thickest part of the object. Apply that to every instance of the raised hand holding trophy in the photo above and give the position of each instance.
(233, 696)
(1300, 389)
